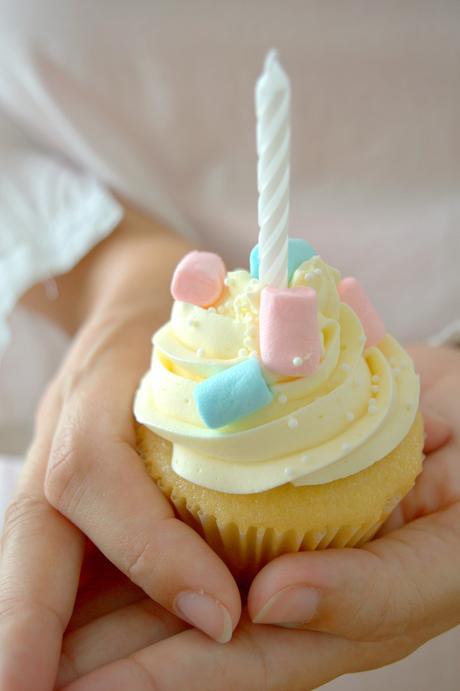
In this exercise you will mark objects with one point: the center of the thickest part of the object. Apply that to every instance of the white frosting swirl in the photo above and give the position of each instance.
(356, 408)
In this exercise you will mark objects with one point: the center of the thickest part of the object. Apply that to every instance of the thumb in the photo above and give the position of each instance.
(404, 584)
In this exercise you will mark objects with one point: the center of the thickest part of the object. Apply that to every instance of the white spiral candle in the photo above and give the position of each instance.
(273, 100)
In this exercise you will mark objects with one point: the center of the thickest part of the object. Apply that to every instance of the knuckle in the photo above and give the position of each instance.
(140, 562)
(15, 608)
(363, 622)
(24, 511)
(141, 676)
(259, 672)
(67, 469)
(148, 559)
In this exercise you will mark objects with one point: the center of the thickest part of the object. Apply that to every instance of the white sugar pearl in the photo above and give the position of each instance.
(350, 416)
(200, 352)
(289, 473)
(375, 378)
(317, 272)
(293, 423)
(297, 361)
(345, 367)
(346, 446)
(282, 398)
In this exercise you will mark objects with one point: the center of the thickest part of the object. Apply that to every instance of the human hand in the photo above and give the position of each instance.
(269, 657)
(112, 618)
(84, 477)
(402, 588)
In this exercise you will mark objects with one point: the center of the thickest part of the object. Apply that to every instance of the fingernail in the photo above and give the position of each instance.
(205, 613)
(290, 607)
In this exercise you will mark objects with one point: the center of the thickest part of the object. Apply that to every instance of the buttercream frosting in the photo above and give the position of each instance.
(352, 411)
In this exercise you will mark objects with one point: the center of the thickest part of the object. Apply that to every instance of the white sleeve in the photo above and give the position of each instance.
(51, 215)
(450, 335)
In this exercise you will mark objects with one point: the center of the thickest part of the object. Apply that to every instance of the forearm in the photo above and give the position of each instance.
(129, 270)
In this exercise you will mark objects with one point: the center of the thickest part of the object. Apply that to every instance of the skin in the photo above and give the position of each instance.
(92, 558)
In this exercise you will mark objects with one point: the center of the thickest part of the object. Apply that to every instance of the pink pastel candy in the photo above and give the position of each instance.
(289, 331)
(198, 278)
(352, 294)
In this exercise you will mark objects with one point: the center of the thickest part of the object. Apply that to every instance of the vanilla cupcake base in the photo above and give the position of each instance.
(248, 530)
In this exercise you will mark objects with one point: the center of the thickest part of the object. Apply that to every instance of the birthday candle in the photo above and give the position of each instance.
(273, 96)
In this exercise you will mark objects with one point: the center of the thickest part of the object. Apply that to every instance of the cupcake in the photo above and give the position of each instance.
(277, 415)
(278, 420)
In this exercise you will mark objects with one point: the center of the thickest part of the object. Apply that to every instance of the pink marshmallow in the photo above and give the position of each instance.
(289, 332)
(353, 295)
(198, 278)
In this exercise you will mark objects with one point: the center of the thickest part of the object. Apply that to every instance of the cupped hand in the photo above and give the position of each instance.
(366, 607)
(112, 618)
(118, 639)
(83, 477)
(402, 588)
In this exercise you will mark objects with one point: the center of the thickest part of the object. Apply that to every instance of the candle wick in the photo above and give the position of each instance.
(271, 59)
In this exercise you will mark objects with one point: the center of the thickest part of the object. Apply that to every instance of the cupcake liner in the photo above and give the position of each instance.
(246, 551)
(248, 531)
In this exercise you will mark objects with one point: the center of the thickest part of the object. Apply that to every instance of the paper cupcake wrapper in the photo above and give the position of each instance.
(246, 551)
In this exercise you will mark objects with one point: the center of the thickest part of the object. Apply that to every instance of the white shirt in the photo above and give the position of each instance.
(155, 102)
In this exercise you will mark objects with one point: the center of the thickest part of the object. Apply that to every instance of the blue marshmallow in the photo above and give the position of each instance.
(232, 394)
(254, 262)
(299, 251)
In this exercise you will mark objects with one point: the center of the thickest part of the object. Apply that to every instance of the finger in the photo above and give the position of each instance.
(104, 591)
(437, 431)
(437, 487)
(430, 366)
(113, 637)
(258, 657)
(98, 481)
(39, 568)
(402, 585)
